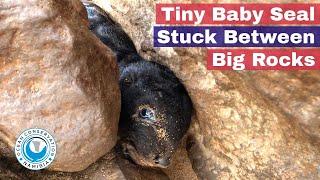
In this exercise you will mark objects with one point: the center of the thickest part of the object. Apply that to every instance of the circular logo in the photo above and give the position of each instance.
(35, 149)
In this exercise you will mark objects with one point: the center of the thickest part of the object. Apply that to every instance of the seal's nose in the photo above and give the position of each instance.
(164, 162)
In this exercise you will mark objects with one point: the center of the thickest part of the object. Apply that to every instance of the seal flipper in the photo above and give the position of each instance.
(111, 33)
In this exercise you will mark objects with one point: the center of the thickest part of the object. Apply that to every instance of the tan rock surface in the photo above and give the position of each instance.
(56, 75)
(181, 167)
(297, 94)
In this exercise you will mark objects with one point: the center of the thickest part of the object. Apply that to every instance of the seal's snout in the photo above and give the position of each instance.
(151, 160)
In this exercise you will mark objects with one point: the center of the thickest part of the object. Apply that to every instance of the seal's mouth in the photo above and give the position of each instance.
(131, 153)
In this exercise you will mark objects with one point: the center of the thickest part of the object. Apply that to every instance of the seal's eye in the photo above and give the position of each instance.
(147, 114)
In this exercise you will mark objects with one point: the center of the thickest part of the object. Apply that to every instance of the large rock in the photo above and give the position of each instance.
(295, 93)
(239, 132)
(56, 75)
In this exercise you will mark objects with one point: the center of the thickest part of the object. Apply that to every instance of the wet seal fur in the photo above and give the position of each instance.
(156, 108)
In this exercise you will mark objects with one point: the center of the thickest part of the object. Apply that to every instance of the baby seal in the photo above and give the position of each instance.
(156, 108)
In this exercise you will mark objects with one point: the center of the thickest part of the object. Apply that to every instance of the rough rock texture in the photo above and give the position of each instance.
(112, 166)
(181, 167)
(296, 93)
(104, 168)
(56, 75)
(240, 131)
(6, 173)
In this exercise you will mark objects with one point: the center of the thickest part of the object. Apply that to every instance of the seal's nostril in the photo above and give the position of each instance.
(156, 159)
(125, 151)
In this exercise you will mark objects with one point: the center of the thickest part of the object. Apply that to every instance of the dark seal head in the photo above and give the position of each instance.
(156, 108)
(155, 114)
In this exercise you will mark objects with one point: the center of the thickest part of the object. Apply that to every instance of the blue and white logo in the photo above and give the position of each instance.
(35, 149)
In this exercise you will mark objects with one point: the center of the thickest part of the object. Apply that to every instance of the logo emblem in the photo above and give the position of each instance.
(35, 149)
